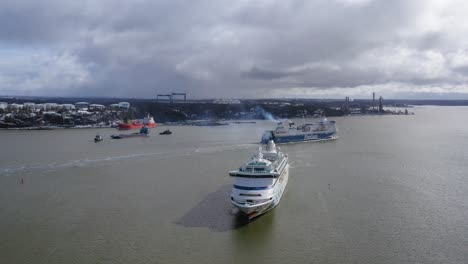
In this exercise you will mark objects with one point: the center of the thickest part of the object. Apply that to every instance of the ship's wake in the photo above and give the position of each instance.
(45, 167)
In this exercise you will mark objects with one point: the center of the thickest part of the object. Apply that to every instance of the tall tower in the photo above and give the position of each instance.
(380, 105)
(346, 104)
(373, 101)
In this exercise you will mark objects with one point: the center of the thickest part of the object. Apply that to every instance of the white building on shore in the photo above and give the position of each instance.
(68, 107)
(15, 107)
(96, 107)
(40, 107)
(125, 105)
(82, 105)
(51, 106)
(29, 106)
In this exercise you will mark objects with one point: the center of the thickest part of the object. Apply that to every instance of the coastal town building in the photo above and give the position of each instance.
(81, 105)
(114, 106)
(15, 107)
(125, 105)
(39, 107)
(96, 107)
(68, 107)
(29, 106)
(51, 106)
(226, 101)
(3, 105)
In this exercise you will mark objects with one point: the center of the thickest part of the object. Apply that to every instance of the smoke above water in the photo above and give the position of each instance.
(266, 115)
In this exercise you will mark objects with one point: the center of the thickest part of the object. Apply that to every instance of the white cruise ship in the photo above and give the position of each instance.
(261, 181)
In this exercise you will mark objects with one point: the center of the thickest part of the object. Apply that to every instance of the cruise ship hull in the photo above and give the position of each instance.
(255, 210)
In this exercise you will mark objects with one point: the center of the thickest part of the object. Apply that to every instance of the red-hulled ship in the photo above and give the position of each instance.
(137, 124)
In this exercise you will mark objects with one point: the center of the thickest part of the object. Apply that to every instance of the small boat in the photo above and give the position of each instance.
(98, 138)
(260, 183)
(287, 132)
(166, 132)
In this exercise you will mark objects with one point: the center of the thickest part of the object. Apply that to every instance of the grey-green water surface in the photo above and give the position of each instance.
(392, 189)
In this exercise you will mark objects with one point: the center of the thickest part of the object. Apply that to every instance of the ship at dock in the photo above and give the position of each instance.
(260, 182)
(287, 132)
(147, 121)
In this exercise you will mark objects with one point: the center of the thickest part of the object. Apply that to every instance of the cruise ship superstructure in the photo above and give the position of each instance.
(260, 182)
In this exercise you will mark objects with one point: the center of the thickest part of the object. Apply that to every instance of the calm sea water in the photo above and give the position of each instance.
(392, 189)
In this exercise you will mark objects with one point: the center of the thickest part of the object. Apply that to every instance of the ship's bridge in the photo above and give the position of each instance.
(257, 165)
(263, 164)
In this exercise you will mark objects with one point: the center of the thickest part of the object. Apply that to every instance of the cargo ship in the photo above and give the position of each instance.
(138, 124)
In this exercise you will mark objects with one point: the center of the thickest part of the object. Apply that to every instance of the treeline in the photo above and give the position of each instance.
(166, 112)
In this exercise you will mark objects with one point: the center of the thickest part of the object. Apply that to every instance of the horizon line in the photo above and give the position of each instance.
(215, 98)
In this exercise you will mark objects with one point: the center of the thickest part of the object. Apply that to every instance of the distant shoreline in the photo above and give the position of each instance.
(53, 127)
(69, 99)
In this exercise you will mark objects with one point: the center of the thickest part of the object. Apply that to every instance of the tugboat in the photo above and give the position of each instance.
(98, 138)
(260, 183)
(166, 132)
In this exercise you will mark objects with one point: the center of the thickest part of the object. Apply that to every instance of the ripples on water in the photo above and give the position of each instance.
(40, 167)
(392, 189)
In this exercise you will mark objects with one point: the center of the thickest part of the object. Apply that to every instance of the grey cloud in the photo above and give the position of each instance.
(262, 74)
(226, 48)
(462, 70)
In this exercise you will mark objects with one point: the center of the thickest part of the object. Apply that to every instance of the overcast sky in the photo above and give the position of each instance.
(237, 49)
